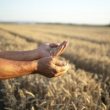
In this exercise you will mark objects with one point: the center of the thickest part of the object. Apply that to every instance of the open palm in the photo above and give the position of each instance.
(52, 49)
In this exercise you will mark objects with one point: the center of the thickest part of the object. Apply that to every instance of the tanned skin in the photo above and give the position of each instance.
(42, 60)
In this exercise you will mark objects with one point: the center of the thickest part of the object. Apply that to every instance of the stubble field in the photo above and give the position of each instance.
(86, 86)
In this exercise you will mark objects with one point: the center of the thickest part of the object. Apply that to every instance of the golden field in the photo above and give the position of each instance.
(86, 86)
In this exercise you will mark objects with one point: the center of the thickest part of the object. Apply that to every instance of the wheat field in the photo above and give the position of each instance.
(86, 86)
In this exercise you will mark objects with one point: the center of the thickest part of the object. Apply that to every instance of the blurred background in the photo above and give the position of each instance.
(25, 24)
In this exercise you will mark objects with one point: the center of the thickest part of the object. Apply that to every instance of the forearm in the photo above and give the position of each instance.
(11, 69)
(20, 55)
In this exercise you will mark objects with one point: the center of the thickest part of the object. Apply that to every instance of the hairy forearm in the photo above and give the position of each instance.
(11, 69)
(20, 55)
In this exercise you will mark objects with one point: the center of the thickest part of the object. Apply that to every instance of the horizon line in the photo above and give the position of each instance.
(46, 22)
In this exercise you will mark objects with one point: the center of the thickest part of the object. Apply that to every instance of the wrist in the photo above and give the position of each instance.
(27, 67)
(36, 54)
(34, 66)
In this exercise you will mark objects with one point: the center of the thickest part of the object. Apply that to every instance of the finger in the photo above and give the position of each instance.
(53, 45)
(55, 73)
(59, 63)
(57, 51)
(60, 73)
(65, 43)
(61, 68)
(60, 49)
(62, 45)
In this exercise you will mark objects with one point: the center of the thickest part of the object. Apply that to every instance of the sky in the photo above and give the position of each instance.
(61, 11)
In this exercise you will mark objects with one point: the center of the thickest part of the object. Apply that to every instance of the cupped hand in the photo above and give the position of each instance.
(52, 49)
(51, 67)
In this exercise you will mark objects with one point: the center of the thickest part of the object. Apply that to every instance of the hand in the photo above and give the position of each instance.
(52, 49)
(51, 67)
